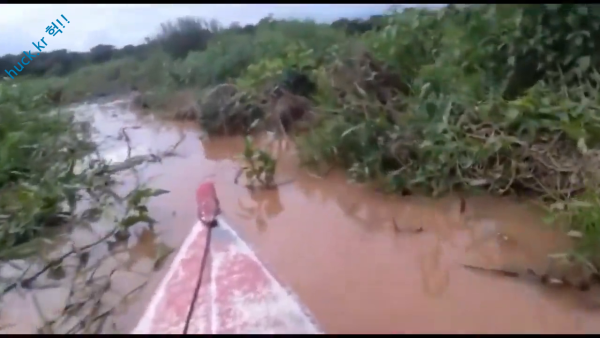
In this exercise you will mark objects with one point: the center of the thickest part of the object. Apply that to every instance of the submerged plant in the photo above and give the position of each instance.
(259, 166)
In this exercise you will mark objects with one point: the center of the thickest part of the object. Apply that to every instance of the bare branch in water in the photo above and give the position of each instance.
(131, 162)
(398, 229)
(26, 283)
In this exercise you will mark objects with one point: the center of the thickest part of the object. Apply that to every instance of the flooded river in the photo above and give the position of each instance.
(362, 262)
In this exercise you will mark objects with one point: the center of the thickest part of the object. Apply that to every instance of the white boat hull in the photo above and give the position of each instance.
(237, 295)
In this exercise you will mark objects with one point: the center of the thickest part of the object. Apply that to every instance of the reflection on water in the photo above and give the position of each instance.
(337, 247)
(267, 205)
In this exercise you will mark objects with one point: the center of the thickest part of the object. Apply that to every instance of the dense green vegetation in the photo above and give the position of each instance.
(51, 181)
(501, 98)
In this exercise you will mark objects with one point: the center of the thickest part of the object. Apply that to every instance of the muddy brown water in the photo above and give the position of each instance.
(335, 245)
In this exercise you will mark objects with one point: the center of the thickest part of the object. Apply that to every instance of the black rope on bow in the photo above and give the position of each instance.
(199, 283)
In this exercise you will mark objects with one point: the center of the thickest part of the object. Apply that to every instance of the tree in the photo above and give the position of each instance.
(101, 53)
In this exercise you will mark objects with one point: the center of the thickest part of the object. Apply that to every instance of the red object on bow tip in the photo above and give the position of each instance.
(207, 203)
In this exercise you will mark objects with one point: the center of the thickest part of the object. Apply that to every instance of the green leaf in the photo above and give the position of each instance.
(158, 192)
(582, 146)
(135, 219)
(583, 63)
(513, 114)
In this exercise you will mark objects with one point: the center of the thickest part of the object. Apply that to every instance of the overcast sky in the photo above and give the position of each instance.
(120, 25)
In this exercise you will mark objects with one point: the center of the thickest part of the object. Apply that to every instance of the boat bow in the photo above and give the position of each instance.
(237, 295)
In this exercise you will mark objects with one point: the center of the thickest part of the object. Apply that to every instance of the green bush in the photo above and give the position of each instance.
(454, 128)
(38, 152)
